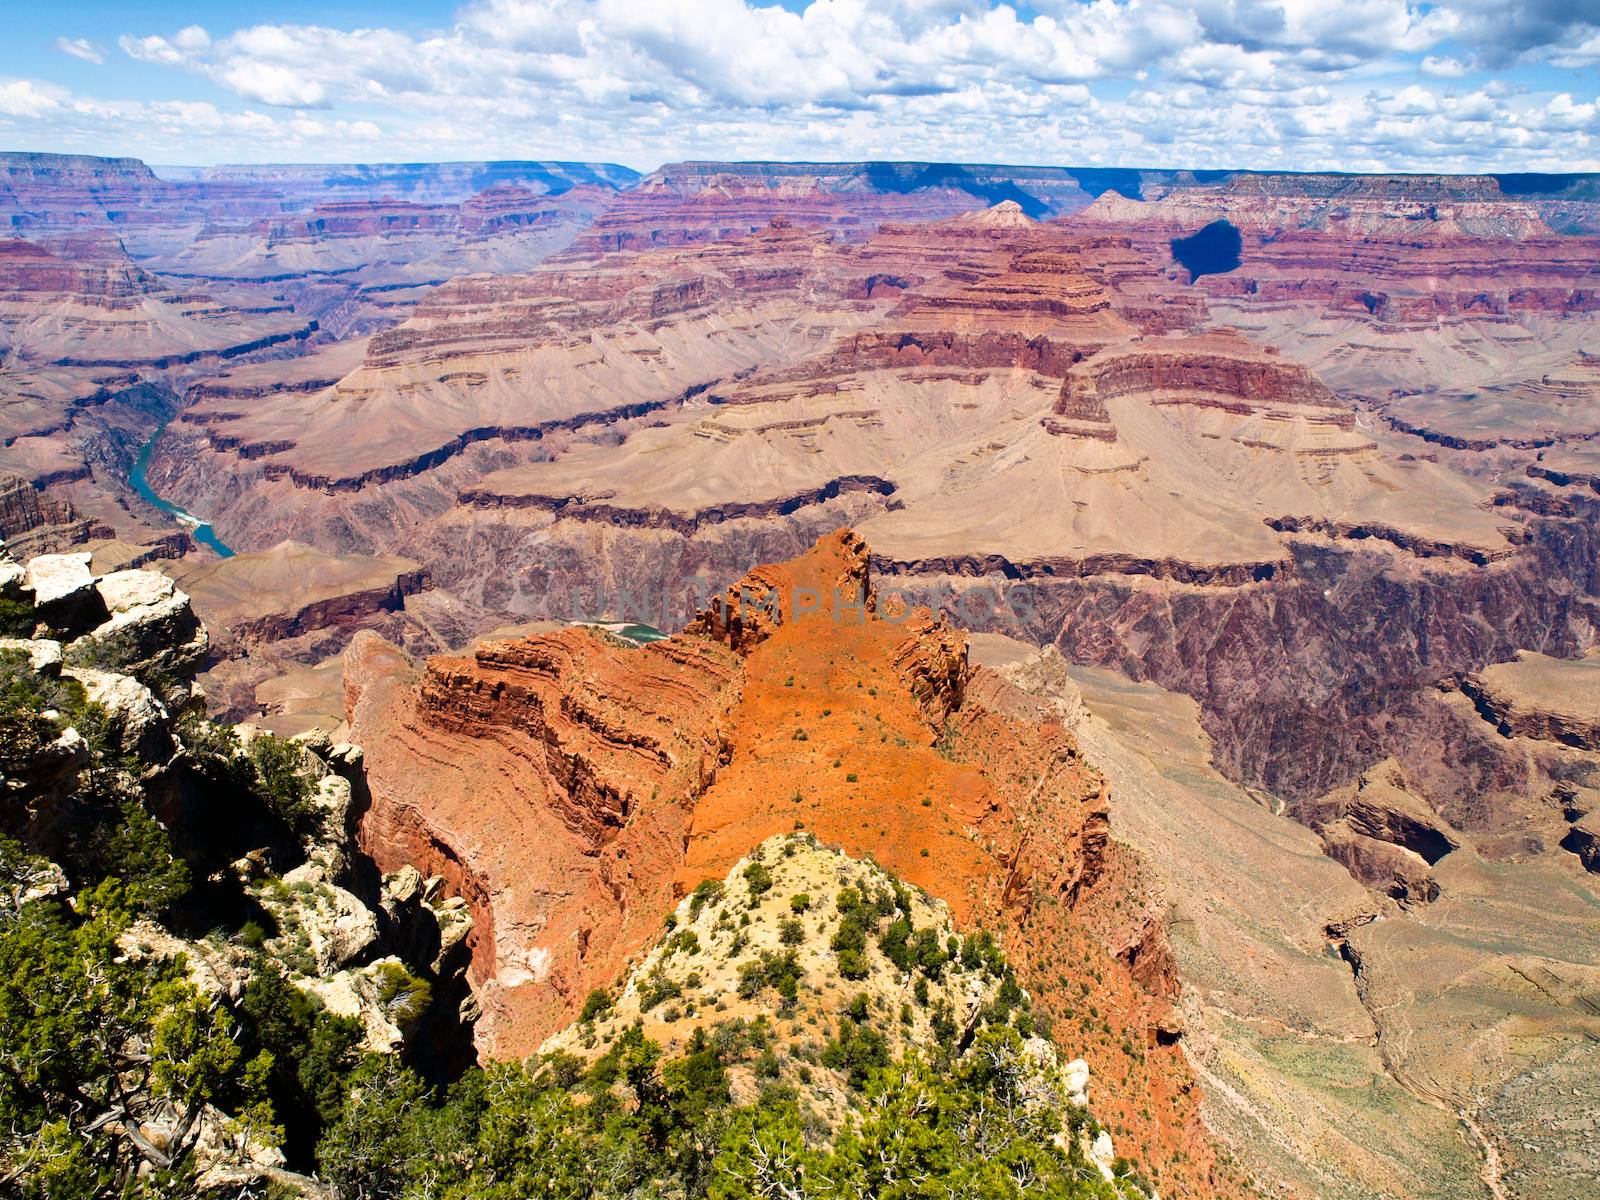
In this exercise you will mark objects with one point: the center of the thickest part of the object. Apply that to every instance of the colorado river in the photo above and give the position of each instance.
(198, 529)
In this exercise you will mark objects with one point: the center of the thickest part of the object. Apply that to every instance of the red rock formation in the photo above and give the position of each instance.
(1563, 713)
(549, 781)
(35, 522)
(572, 789)
(361, 218)
(672, 208)
(29, 273)
(1217, 369)
(511, 207)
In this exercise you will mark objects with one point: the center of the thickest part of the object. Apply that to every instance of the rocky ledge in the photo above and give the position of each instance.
(1536, 696)
(224, 858)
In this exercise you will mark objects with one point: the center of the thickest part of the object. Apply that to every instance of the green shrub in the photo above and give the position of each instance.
(282, 785)
(595, 1005)
(931, 957)
(759, 879)
(780, 972)
(851, 935)
(656, 987)
(709, 891)
(403, 996)
(685, 941)
(853, 964)
(205, 738)
(16, 618)
(138, 849)
(112, 652)
(25, 698)
(895, 942)
(857, 1052)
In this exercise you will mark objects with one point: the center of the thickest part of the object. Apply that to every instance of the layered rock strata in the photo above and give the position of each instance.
(794, 702)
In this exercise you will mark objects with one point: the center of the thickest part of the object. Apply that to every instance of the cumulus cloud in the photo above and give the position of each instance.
(28, 98)
(1565, 33)
(273, 83)
(700, 54)
(1293, 83)
(1444, 67)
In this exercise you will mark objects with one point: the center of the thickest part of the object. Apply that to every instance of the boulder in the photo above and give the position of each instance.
(13, 579)
(125, 590)
(44, 655)
(337, 927)
(63, 590)
(1075, 1081)
(344, 757)
(1103, 1154)
(138, 722)
(32, 879)
(317, 741)
(403, 886)
(53, 766)
(151, 630)
(215, 969)
(354, 993)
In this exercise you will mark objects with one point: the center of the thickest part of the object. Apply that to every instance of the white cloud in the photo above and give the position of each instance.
(81, 48)
(272, 83)
(1291, 83)
(28, 98)
(1445, 67)
(153, 49)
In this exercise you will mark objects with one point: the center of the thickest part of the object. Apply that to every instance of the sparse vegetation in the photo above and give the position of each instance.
(758, 878)
(16, 618)
(657, 987)
(595, 1005)
(283, 786)
(780, 972)
(707, 892)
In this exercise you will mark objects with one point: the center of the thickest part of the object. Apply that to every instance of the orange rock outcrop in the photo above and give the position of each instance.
(572, 789)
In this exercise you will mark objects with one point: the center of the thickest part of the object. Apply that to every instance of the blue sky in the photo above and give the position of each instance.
(1458, 85)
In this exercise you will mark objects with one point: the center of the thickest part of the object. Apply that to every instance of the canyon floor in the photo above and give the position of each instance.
(1279, 582)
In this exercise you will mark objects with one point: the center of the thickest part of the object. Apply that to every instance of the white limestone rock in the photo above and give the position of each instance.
(125, 590)
(62, 583)
(13, 579)
(336, 927)
(44, 655)
(354, 993)
(152, 628)
(1103, 1154)
(139, 721)
(1075, 1079)
(214, 967)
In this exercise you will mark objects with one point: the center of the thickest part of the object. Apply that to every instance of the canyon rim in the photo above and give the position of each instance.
(814, 663)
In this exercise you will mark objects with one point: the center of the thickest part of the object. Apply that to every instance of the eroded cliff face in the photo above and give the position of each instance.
(1308, 678)
(572, 789)
(549, 781)
(984, 396)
